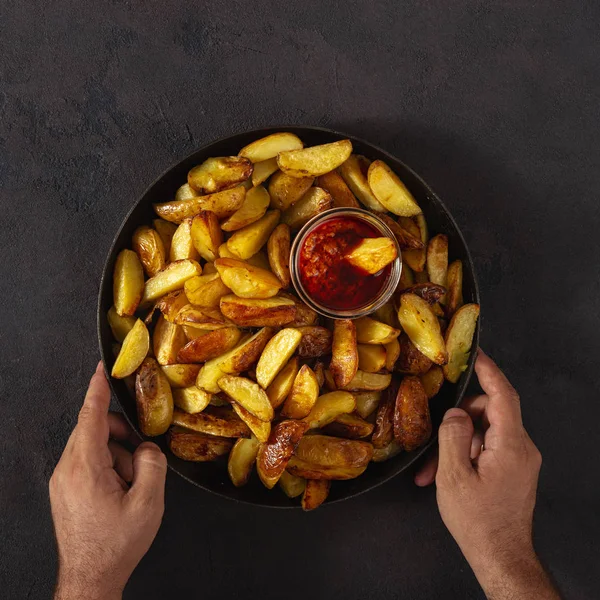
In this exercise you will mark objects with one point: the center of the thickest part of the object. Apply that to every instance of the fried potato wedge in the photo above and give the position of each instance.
(247, 241)
(350, 426)
(366, 402)
(454, 298)
(219, 173)
(411, 360)
(383, 433)
(302, 396)
(277, 352)
(422, 327)
(354, 173)
(197, 447)
(263, 170)
(316, 160)
(246, 280)
(166, 231)
(373, 254)
(430, 292)
(248, 395)
(274, 455)
(120, 326)
(459, 339)
(150, 249)
(316, 341)
(305, 315)
(153, 399)
(371, 357)
(291, 485)
(341, 194)
(128, 283)
(182, 245)
(315, 493)
(370, 331)
(392, 352)
(328, 407)
(255, 312)
(171, 278)
(213, 421)
(171, 304)
(406, 240)
(191, 399)
(315, 201)
(319, 370)
(412, 422)
(270, 146)
(206, 234)
(329, 381)
(285, 190)
(389, 451)
(133, 351)
(202, 318)
(214, 343)
(167, 341)
(280, 387)
(181, 376)
(209, 268)
(407, 277)
(223, 204)
(368, 382)
(390, 191)
(417, 227)
(432, 381)
(241, 460)
(278, 249)
(344, 352)
(387, 314)
(254, 208)
(437, 261)
(185, 192)
(326, 451)
(260, 429)
(206, 290)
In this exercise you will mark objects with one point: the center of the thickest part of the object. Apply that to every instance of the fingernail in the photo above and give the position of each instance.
(99, 367)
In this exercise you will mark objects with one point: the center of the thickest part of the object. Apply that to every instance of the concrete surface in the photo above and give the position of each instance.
(495, 104)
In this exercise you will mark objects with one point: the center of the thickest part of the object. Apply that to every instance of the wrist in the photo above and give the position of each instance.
(70, 586)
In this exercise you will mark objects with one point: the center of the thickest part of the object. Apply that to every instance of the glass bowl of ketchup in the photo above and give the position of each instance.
(322, 276)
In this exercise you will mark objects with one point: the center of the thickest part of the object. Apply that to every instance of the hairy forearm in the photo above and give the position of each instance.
(69, 587)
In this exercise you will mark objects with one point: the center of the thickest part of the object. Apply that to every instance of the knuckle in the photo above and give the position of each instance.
(456, 426)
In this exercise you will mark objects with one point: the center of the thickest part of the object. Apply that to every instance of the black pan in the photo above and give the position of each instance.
(213, 476)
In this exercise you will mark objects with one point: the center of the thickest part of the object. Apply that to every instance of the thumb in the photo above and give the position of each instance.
(149, 474)
(455, 437)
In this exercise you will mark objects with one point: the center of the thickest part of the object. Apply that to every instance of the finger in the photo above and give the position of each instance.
(476, 408)
(122, 460)
(149, 474)
(476, 444)
(120, 430)
(455, 436)
(426, 474)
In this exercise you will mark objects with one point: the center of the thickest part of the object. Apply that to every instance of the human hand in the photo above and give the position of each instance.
(486, 487)
(104, 525)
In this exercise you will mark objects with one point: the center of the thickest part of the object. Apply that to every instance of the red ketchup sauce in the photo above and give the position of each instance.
(327, 277)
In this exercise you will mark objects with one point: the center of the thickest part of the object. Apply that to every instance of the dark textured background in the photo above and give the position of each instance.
(495, 104)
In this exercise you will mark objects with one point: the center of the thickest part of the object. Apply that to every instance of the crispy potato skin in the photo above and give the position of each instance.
(168, 339)
(278, 249)
(316, 341)
(328, 451)
(316, 200)
(349, 426)
(150, 249)
(212, 421)
(411, 360)
(270, 146)
(430, 292)
(315, 493)
(333, 183)
(154, 399)
(383, 432)
(216, 174)
(206, 290)
(254, 208)
(304, 314)
(206, 234)
(181, 376)
(344, 352)
(316, 160)
(412, 421)
(223, 204)
(308, 470)
(415, 257)
(432, 381)
(437, 260)
(406, 240)
(171, 304)
(211, 345)
(197, 447)
(285, 190)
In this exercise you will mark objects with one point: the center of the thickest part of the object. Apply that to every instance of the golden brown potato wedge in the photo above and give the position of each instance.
(412, 422)
(150, 249)
(223, 204)
(277, 352)
(311, 471)
(254, 207)
(241, 460)
(167, 340)
(153, 398)
(389, 451)
(213, 420)
(166, 231)
(219, 173)
(316, 160)
(368, 382)
(315, 493)
(354, 172)
(417, 227)
(305, 315)
(171, 278)
(206, 290)
(316, 341)
(214, 343)
(430, 292)
(191, 399)
(182, 245)
(328, 407)
(133, 351)
(291, 485)
(246, 280)
(280, 387)
(181, 375)
(263, 170)
(197, 447)
(285, 190)
(406, 240)
(329, 381)
(454, 298)
(383, 434)
(209, 268)
(411, 360)
(432, 381)
(120, 326)
(351, 427)
(366, 402)
(191, 333)
(260, 429)
(128, 283)
(390, 191)
(373, 254)
(333, 183)
(392, 352)
(278, 248)
(254, 312)
(319, 370)
(371, 357)
(185, 192)
(421, 277)
(270, 146)
(344, 352)
(323, 451)
(422, 327)
(302, 396)
(387, 314)
(202, 318)
(247, 394)
(370, 331)
(259, 260)
(459, 339)
(315, 201)
(407, 277)
(274, 455)
(171, 304)
(247, 241)
(437, 261)
(206, 234)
